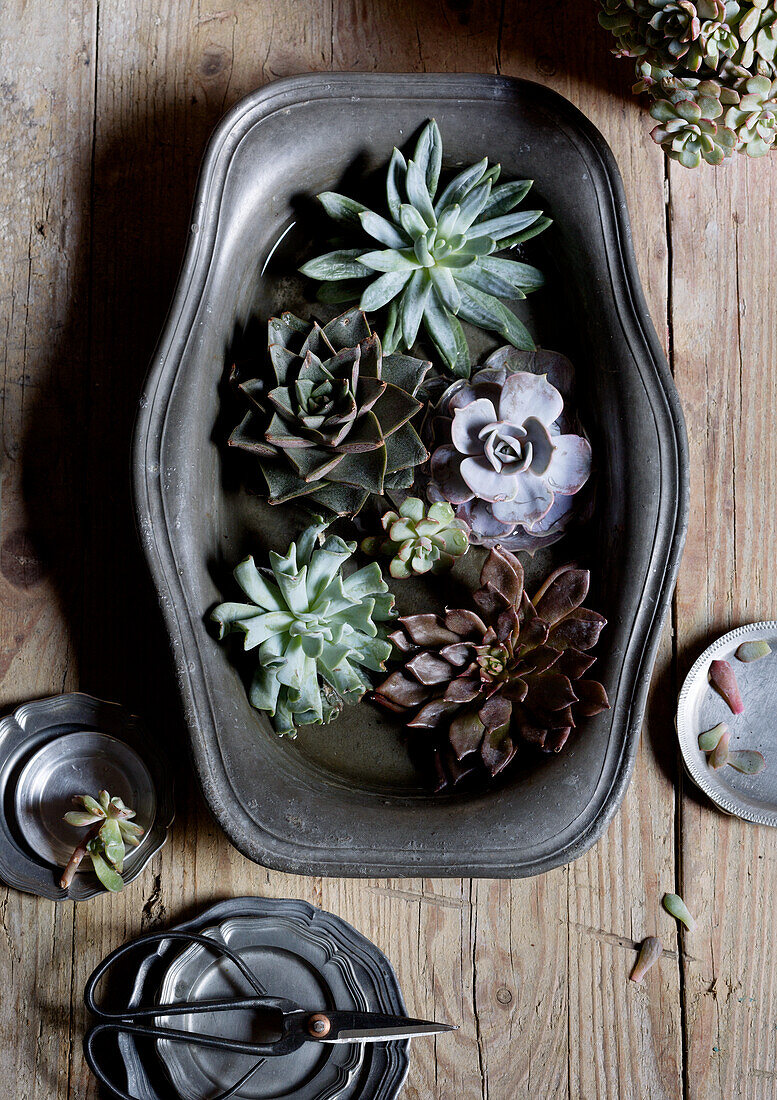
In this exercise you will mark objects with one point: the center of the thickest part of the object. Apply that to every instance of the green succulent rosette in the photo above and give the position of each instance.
(431, 259)
(317, 633)
(335, 426)
(420, 538)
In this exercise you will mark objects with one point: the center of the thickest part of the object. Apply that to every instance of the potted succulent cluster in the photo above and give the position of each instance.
(455, 457)
(709, 68)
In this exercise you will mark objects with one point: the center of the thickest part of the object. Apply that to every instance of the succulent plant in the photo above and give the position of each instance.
(475, 684)
(502, 452)
(709, 66)
(110, 831)
(687, 130)
(435, 261)
(723, 679)
(315, 631)
(420, 538)
(335, 427)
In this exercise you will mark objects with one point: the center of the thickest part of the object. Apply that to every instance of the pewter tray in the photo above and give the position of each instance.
(345, 799)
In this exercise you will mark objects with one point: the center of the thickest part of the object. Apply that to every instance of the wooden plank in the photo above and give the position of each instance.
(725, 343)
(45, 156)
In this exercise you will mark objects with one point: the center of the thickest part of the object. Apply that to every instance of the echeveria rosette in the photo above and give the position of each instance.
(435, 263)
(475, 684)
(316, 632)
(754, 117)
(420, 538)
(688, 131)
(505, 457)
(336, 425)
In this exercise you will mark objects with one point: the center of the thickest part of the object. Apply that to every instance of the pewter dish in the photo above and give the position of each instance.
(329, 958)
(752, 797)
(316, 980)
(345, 799)
(37, 778)
(79, 763)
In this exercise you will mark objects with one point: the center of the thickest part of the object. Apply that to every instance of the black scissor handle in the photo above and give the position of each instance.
(160, 937)
(94, 1033)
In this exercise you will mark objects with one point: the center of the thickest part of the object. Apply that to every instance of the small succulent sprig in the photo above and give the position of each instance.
(420, 538)
(434, 262)
(111, 829)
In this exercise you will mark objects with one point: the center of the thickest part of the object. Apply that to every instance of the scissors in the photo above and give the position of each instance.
(288, 1024)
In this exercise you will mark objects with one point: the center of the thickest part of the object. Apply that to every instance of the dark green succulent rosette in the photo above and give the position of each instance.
(335, 427)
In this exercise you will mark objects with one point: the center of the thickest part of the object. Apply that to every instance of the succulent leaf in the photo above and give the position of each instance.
(434, 263)
(753, 651)
(479, 684)
(650, 952)
(747, 761)
(708, 741)
(677, 908)
(724, 681)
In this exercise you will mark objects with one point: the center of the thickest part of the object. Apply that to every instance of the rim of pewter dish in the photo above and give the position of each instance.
(29, 728)
(384, 1066)
(732, 792)
(311, 843)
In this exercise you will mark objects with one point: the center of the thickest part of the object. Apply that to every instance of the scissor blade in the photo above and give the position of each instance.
(374, 1027)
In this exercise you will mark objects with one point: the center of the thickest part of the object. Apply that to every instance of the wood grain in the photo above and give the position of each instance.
(106, 109)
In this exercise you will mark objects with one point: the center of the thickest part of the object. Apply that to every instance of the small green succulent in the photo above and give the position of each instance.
(110, 830)
(436, 261)
(687, 129)
(315, 631)
(420, 538)
(754, 117)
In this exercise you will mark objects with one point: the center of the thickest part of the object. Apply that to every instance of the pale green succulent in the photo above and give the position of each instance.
(110, 830)
(315, 631)
(420, 538)
(754, 117)
(436, 263)
(687, 129)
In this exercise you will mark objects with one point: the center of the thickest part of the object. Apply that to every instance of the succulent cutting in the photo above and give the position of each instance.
(111, 829)
(503, 454)
(335, 424)
(710, 69)
(420, 538)
(477, 683)
(315, 630)
(432, 257)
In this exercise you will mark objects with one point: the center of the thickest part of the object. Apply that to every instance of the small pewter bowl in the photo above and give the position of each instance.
(53, 749)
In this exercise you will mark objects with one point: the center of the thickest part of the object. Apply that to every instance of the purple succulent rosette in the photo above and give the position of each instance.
(503, 453)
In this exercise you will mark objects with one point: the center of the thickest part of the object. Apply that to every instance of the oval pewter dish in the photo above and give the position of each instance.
(343, 801)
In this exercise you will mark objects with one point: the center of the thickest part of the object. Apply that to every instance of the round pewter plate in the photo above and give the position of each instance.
(310, 976)
(752, 797)
(79, 763)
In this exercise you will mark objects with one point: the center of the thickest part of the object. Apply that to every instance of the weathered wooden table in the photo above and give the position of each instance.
(106, 105)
